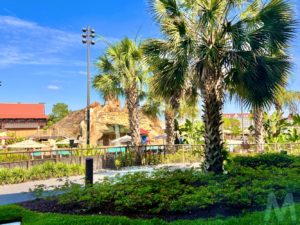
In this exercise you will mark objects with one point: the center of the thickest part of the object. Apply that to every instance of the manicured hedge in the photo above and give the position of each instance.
(14, 212)
(266, 160)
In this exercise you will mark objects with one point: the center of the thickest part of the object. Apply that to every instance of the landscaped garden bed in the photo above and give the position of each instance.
(39, 172)
(184, 194)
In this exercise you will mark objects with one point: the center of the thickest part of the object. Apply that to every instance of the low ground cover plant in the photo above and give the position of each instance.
(245, 186)
(17, 213)
(39, 172)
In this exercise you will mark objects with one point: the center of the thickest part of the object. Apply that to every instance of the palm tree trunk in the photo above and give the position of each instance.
(258, 128)
(132, 103)
(170, 129)
(212, 118)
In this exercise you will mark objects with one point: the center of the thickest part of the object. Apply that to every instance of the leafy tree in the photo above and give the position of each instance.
(219, 45)
(59, 111)
(122, 72)
(192, 132)
(233, 125)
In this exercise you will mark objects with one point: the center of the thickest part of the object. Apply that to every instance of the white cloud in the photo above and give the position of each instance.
(24, 42)
(53, 87)
(81, 72)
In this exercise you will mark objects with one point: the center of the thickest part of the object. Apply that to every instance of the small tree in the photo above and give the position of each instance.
(59, 111)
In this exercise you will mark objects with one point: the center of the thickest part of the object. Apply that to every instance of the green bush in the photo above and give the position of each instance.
(243, 188)
(267, 160)
(39, 172)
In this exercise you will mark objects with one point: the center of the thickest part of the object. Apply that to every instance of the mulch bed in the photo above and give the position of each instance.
(52, 206)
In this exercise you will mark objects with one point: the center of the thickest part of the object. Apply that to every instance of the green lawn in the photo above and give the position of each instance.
(11, 212)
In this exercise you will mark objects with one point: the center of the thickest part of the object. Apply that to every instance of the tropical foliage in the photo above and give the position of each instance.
(192, 132)
(216, 46)
(279, 130)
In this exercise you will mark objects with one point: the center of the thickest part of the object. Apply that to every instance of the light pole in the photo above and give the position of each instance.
(87, 38)
(243, 133)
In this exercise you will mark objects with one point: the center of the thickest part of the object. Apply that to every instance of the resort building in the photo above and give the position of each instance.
(22, 120)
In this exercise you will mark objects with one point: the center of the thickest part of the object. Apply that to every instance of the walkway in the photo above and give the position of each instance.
(15, 193)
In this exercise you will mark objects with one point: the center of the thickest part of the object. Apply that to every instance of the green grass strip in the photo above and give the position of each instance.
(11, 212)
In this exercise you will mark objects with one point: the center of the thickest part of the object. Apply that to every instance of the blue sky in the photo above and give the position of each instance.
(41, 55)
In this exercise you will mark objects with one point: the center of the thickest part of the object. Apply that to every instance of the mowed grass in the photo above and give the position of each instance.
(11, 212)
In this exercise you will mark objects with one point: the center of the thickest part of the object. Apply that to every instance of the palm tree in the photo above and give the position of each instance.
(154, 106)
(222, 48)
(122, 72)
(287, 99)
(258, 116)
(283, 99)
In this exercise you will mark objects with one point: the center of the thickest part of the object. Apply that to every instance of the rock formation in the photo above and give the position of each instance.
(104, 120)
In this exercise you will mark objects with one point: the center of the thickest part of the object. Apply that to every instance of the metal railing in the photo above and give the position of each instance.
(104, 157)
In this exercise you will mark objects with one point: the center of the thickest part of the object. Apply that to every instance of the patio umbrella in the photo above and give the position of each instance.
(122, 140)
(27, 144)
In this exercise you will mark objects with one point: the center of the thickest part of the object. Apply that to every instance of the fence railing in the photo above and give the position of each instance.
(122, 156)
(104, 157)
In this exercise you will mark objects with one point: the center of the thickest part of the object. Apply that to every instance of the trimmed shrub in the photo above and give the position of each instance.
(267, 160)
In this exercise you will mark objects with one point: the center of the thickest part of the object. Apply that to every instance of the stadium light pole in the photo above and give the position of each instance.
(87, 38)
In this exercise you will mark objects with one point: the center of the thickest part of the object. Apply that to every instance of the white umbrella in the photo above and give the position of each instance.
(125, 139)
(27, 144)
(161, 136)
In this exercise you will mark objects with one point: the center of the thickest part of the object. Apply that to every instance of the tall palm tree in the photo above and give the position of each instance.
(235, 45)
(122, 72)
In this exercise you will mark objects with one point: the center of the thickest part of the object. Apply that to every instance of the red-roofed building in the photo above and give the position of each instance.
(22, 119)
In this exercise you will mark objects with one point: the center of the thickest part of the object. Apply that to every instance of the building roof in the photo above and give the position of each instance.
(22, 111)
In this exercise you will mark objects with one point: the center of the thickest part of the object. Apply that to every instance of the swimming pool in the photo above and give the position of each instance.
(116, 150)
(60, 152)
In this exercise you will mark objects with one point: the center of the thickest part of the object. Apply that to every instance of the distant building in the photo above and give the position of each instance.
(23, 120)
(245, 118)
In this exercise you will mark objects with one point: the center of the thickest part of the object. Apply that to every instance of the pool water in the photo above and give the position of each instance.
(60, 152)
(116, 149)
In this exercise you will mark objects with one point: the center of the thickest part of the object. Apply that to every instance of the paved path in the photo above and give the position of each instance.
(15, 193)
